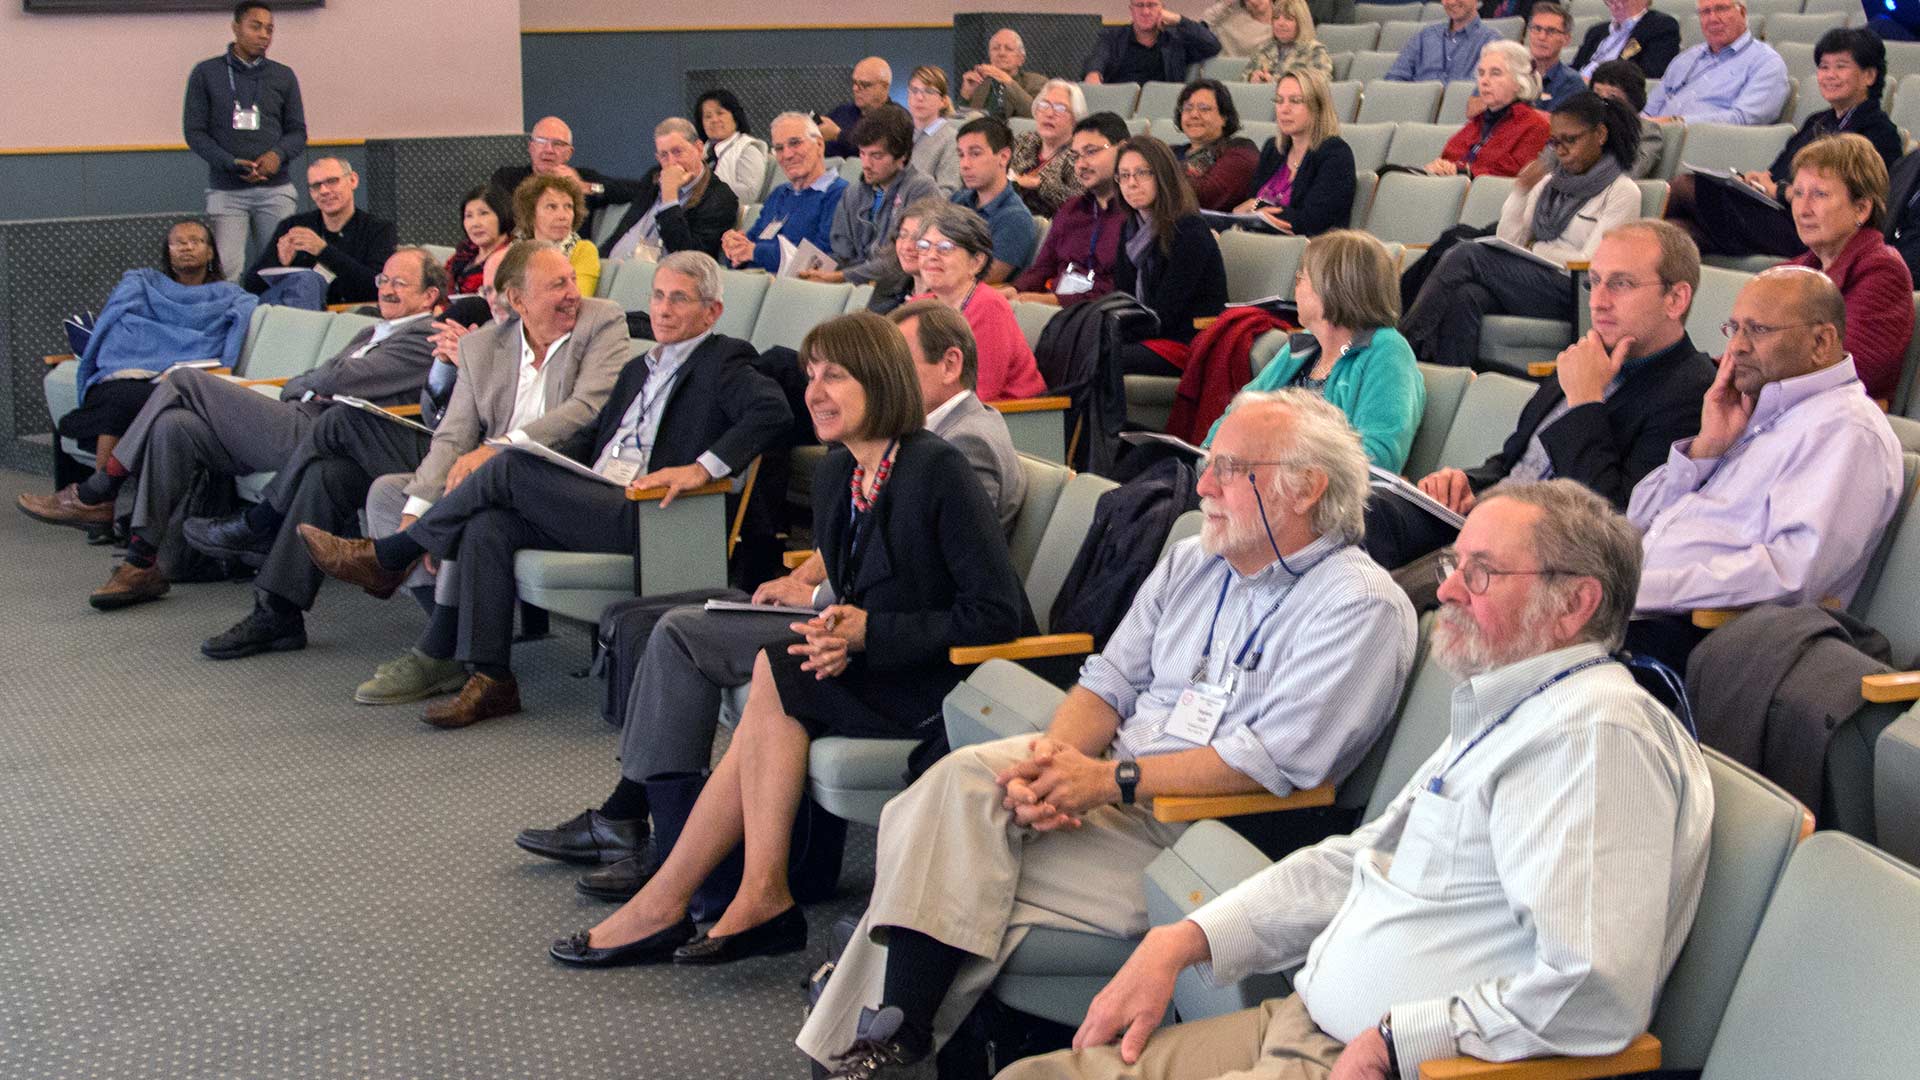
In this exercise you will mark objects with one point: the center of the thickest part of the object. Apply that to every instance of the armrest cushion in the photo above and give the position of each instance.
(56, 361)
(1032, 404)
(1023, 648)
(281, 381)
(1201, 807)
(1201, 322)
(1542, 369)
(1641, 1055)
(1891, 687)
(655, 494)
(1714, 618)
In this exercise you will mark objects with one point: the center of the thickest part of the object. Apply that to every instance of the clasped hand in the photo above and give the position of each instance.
(1056, 786)
(831, 638)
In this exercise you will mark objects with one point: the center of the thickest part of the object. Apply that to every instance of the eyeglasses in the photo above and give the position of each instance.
(1051, 106)
(1090, 149)
(1227, 470)
(1549, 31)
(1478, 577)
(944, 247)
(1755, 331)
(1619, 283)
(383, 280)
(789, 145)
(327, 184)
(1133, 176)
(916, 90)
(551, 144)
(676, 298)
(1198, 107)
(1564, 143)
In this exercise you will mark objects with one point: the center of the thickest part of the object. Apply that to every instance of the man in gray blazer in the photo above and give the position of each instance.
(198, 423)
(693, 655)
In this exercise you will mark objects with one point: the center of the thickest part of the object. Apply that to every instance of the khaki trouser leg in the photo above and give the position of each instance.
(1276, 1041)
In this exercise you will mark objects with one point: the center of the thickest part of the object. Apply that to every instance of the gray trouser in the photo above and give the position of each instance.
(691, 659)
(242, 220)
(385, 499)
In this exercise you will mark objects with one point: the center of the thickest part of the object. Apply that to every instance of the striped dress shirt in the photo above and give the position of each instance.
(1534, 905)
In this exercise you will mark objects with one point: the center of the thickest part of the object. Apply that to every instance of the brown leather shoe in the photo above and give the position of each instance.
(351, 561)
(64, 507)
(130, 585)
(483, 698)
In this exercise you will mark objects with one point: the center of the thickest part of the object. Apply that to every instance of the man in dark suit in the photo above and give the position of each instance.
(549, 150)
(1156, 45)
(691, 411)
(1635, 32)
(1621, 397)
(1903, 210)
(197, 423)
(689, 211)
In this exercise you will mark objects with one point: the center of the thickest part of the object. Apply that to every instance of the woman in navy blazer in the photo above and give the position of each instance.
(915, 563)
(1304, 184)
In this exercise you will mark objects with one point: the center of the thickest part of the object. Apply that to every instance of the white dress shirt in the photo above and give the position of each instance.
(529, 404)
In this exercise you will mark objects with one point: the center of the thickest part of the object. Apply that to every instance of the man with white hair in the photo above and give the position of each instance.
(1727, 79)
(800, 209)
(1634, 32)
(679, 207)
(1525, 894)
(1002, 86)
(872, 87)
(1265, 655)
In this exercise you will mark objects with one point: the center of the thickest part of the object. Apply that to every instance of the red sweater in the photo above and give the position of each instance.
(1006, 367)
(1516, 140)
(1878, 289)
(1230, 180)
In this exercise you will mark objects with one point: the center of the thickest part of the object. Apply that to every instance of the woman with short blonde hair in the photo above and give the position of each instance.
(1291, 46)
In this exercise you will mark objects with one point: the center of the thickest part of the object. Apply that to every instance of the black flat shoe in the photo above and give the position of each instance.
(652, 949)
(784, 933)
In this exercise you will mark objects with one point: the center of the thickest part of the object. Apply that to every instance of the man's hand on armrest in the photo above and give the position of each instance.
(1135, 1000)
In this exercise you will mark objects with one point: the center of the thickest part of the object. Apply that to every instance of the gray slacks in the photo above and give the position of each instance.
(385, 500)
(1472, 282)
(692, 658)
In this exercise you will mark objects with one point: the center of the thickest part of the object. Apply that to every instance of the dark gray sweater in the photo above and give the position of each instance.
(207, 117)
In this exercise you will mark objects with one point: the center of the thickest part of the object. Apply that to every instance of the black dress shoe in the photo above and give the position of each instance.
(652, 949)
(229, 537)
(261, 631)
(589, 837)
(618, 882)
(784, 933)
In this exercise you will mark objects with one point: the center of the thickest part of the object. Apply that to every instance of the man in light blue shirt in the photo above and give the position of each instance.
(1445, 51)
(1728, 79)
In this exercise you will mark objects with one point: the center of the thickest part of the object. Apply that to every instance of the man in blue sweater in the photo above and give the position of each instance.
(243, 116)
(801, 209)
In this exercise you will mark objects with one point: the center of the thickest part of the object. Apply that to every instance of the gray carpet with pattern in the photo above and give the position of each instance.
(230, 869)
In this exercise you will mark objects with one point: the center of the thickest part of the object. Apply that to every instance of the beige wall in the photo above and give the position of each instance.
(564, 14)
(92, 80)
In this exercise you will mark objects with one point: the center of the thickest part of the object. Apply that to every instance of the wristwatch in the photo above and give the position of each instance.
(1127, 775)
(1393, 1056)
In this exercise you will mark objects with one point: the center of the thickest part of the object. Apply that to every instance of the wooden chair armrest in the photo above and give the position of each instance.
(56, 360)
(339, 308)
(1641, 1055)
(655, 494)
(403, 410)
(1892, 687)
(794, 560)
(1581, 266)
(1201, 322)
(1543, 369)
(1023, 648)
(1416, 247)
(281, 381)
(1032, 404)
(1201, 807)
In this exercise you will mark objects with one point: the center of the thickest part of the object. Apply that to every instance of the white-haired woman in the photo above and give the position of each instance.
(1042, 163)
(1508, 134)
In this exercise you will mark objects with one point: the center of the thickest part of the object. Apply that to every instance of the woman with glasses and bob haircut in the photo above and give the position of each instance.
(1219, 162)
(915, 564)
(1169, 260)
(1557, 212)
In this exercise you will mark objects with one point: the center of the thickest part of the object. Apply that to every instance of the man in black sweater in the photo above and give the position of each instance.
(244, 117)
(549, 149)
(334, 237)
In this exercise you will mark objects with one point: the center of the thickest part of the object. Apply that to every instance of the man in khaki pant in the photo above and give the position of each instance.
(1526, 894)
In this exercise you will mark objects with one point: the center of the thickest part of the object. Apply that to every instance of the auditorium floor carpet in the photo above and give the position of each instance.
(230, 869)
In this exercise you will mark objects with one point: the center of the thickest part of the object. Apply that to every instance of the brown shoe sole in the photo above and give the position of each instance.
(72, 523)
(114, 601)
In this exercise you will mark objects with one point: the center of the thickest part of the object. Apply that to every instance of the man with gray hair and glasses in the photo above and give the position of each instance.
(1525, 894)
(800, 209)
(1265, 655)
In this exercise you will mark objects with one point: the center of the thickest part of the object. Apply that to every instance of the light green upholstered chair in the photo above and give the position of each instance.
(1445, 387)
(792, 307)
(1489, 411)
(1397, 102)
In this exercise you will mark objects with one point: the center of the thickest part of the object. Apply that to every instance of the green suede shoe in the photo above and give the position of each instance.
(410, 677)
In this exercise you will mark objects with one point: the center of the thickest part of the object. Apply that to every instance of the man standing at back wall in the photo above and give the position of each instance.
(243, 115)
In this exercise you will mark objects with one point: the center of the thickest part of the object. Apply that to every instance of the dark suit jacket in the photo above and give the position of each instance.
(933, 568)
(1657, 35)
(391, 373)
(1181, 45)
(719, 403)
(683, 228)
(1322, 190)
(1903, 222)
(1180, 287)
(1609, 446)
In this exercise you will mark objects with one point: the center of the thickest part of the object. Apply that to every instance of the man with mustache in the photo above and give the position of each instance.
(1266, 654)
(1526, 893)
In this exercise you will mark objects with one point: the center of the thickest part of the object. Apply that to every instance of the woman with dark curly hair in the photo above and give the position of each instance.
(552, 208)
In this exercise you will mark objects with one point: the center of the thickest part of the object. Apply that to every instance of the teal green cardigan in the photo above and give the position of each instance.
(1376, 384)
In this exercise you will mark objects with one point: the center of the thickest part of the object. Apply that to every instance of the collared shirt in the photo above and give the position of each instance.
(1537, 463)
(640, 425)
(1744, 83)
(385, 329)
(1331, 646)
(530, 393)
(647, 229)
(1014, 233)
(946, 408)
(867, 217)
(1789, 513)
(797, 212)
(1084, 235)
(1439, 53)
(1611, 46)
(1557, 85)
(1534, 905)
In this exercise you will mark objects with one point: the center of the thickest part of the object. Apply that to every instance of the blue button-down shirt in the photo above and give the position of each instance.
(1744, 83)
(1440, 54)
(1015, 236)
(1557, 85)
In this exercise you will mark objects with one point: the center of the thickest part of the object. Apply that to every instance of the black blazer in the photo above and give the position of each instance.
(719, 403)
(933, 567)
(1182, 45)
(683, 228)
(1869, 120)
(1657, 35)
(1181, 287)
(1903, 222)
(1610, 446)
(1322, 189)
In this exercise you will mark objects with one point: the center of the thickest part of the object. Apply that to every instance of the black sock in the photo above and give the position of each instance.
(920, 971)
(397, 552)
(263, 519)
(140, 553)
(279, 606)
(442, 632)
(628, 801)
(496, 672)
(99, 487)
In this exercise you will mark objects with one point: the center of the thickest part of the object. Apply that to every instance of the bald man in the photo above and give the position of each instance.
(1002, 86)
(872, 87)
(550, 153)
(1782, 495)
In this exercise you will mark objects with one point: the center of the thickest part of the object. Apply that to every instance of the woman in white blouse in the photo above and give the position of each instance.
(736, 157)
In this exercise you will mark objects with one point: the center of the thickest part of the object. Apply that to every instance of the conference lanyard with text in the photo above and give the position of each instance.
(1434, 785)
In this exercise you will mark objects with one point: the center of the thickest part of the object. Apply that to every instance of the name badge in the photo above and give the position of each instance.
(773, 229)
(620, 472)
(247, 119)
(1197, 713)
(1074, 281)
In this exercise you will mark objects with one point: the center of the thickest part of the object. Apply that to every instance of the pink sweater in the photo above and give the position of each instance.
(1007, 368)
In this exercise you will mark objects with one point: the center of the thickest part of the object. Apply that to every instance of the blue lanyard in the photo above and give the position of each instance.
(647, 399)
(1240, 658)
(1093, 244)
(1434, 784)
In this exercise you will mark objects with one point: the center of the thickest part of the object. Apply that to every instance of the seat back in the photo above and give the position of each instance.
(1889, 596)
(1484, 198)
(1346, 101)
(1033, 318)
(1370, 66)
(792, 307)
(1903, 59)
(1712, 304)
(1903, 399)
(1265, 348)
(604, 222)
(1052, 525)
(1207, 860)
(1395, 35)
(1253, 100)
(1445, 385)
(341, 330)
(1489, 411)
(1453, 102)
(858, 299)
(1020, 125)
(1827, 988)
(743, 292)
(1673, 143)
(1224, 68)
(1420, 726)
(1185, 527)
(1365, 181)
(632, 289)
(1735, 146)
(1117, 98)
(1653, 197)
(1157, 100)
(1385, 13)
(1369, 143)
(1348, 37)
(1259, 265)
(1259, 131)
(1412, 209)
(1413, 102)
(1905, 113)
(1416, 143)
(285, 342)
(609, 272)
